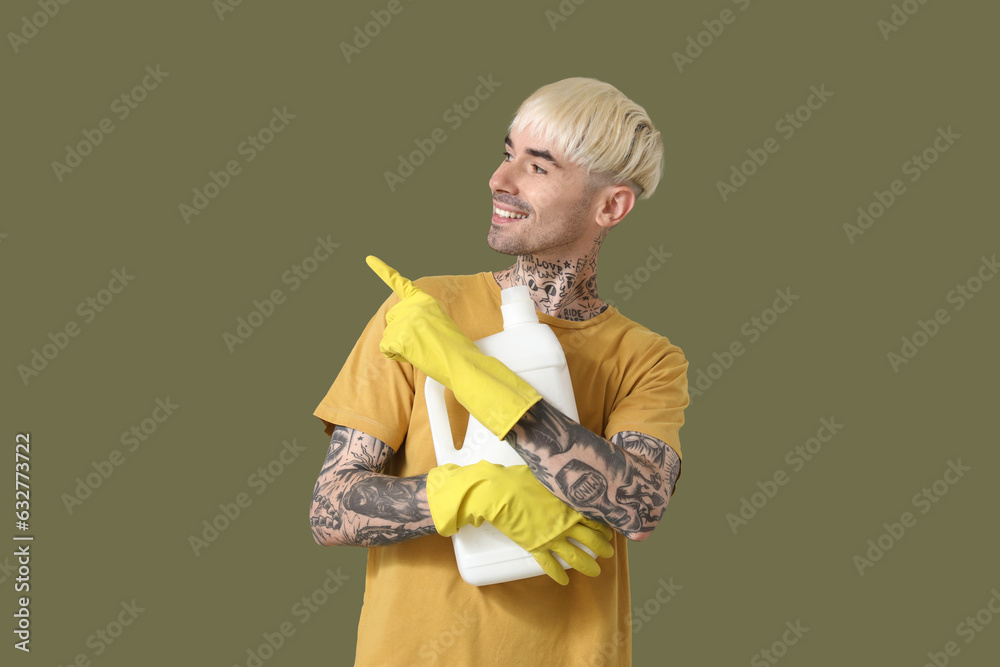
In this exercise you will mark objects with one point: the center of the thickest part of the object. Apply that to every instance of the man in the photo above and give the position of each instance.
(577, 156)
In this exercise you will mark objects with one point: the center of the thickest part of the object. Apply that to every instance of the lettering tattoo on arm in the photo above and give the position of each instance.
(354, 503)
(625, 482)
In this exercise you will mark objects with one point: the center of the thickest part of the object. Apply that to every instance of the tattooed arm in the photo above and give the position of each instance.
(624, 482)
(355, 504)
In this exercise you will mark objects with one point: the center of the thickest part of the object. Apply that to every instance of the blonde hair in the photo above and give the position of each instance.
(596, 127)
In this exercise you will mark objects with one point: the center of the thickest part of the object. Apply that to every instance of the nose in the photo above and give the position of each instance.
(500, 181)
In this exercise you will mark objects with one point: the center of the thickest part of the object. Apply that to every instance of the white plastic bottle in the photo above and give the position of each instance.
(530, 349)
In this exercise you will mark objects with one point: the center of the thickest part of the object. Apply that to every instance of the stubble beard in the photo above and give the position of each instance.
(512, 241)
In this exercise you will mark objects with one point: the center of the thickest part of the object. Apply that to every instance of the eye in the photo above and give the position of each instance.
(507, 157)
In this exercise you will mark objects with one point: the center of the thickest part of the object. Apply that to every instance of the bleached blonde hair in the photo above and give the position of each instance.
(594, 125)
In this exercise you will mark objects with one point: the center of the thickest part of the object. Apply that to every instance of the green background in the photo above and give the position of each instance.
(323, 176)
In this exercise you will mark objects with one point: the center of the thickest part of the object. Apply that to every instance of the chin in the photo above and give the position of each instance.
(491, 241)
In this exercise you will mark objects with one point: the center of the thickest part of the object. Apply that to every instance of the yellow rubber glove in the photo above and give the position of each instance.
(420, 332)
(520, 507)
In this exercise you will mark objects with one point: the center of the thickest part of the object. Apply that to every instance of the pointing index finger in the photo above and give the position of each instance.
(391, 277)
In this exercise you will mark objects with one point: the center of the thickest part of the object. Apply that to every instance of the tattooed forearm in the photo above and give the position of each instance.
(354, 503)
(625, 482)
(587, 487)
(663, 458)
(383, 498)
(376, 536)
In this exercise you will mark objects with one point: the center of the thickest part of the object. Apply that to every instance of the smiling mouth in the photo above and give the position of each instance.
(503, 214)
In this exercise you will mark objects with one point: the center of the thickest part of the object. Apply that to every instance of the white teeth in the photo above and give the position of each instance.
(507, 214)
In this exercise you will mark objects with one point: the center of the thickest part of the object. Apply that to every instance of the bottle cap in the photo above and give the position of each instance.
(517, 307)
(515, 293)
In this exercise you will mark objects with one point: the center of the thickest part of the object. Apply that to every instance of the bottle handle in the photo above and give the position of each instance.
(437, 415)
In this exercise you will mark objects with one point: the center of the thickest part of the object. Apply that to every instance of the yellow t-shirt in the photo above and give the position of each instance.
(417, 609)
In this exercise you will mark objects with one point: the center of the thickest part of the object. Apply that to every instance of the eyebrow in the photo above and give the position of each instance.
(545, 155)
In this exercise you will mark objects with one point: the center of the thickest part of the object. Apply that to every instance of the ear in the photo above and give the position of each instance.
(615, 203)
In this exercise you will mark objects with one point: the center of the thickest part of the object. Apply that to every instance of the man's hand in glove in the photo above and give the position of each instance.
(521, 508)
(420, 332)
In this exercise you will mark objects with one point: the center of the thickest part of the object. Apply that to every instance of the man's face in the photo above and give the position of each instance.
(556, 196)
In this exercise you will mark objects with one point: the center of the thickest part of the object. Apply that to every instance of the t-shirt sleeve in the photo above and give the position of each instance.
(655, 402)
(371, 394)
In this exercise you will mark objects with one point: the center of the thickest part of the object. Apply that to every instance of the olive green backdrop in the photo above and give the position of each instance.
(759, 539)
